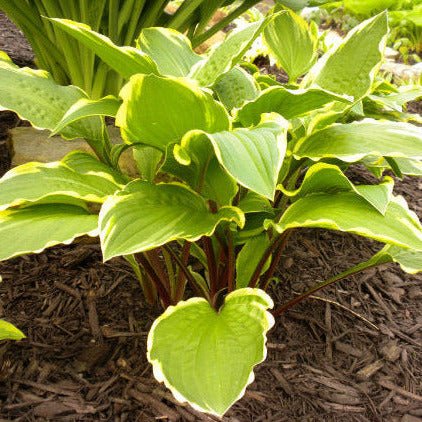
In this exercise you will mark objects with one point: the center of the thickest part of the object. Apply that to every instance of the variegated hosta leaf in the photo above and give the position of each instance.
(9, 332)
(145, 216)
(171, 51)
(286, 102)
(85, 107)
(349, 68)
(78, 175)
(291, 43)
(126, 61)
(35, 228)
(227, 54)
(354, 141)
(206, 357)
(327, 178)
(253, 157)
(158, 111)
(36, 97)
(346, 211)
(409, 260)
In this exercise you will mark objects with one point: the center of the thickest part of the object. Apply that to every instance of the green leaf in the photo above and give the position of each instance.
(252, 203)
(171, 51)
(354, 141)
(235, 87)
(249, 257)
(35, 228)
(145, 216)
(206, 357)
(158, 111)
(253, 157)
(78, 175)
(290, 41)
(348, 212)
(34, 96)
(9, 331)
(288, 103)
(126, 61)
(409, 260)
(85, 107)
(368, 7)
(226, 55)
(396, 100)
(349, 68)
(327, 178)
(201, 169)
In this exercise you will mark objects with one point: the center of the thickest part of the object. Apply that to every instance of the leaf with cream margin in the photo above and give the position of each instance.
(348, 212)
(158, 111)
(144, 216)
(354, 141)
(226, 55)
(286, 102)
(328, 178)
(205, 357)
(409, 260)
(253, 157)
(36, 97)
(291, 42)
(349, 67)
(78, 175)
(37, 227)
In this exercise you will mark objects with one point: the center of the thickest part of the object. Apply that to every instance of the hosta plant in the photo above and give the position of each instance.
(9, 332)
(68, 61)
(230, 164)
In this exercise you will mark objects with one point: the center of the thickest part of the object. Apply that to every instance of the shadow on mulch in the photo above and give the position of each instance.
(352, 353)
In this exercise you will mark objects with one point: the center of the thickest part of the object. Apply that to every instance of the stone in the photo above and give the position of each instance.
(29, 144)
(403, 71)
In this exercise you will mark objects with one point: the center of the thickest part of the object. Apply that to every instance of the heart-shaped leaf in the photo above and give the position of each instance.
(206, 357)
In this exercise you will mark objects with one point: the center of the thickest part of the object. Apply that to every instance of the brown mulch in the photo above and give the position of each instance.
(352, 353)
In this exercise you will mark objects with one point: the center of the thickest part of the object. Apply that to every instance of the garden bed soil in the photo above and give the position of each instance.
(352, 353)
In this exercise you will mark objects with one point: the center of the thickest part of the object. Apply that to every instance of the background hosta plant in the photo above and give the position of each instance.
(230, 164)
(69, 61)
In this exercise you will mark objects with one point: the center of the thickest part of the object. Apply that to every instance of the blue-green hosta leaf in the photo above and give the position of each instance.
(354, 141)
(235, 87)
(290, 41)
(249, 257)
(158, 111)
(409, 260)
(327, 178)
(227, 54)
(286, 102)
(36, 97)
(9, 332)
(253, 157)
(171, 51)
(78, 175)
(85, 107)
(346, 211)
(145, 216)
(126, 61)
(206, 357)
(349, 68)
(35, 228)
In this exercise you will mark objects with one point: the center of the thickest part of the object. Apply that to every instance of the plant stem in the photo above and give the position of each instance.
(231, 263)
(354, 270)
(146, 287)
(180, 281)
(212, 265)
(275, 243)
(162, 292)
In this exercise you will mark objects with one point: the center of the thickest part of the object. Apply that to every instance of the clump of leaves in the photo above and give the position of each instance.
(69, 62)
(230, 164)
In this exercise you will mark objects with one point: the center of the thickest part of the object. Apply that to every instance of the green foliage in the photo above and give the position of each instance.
(230, 163)
(71, 61)
(9, 331)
